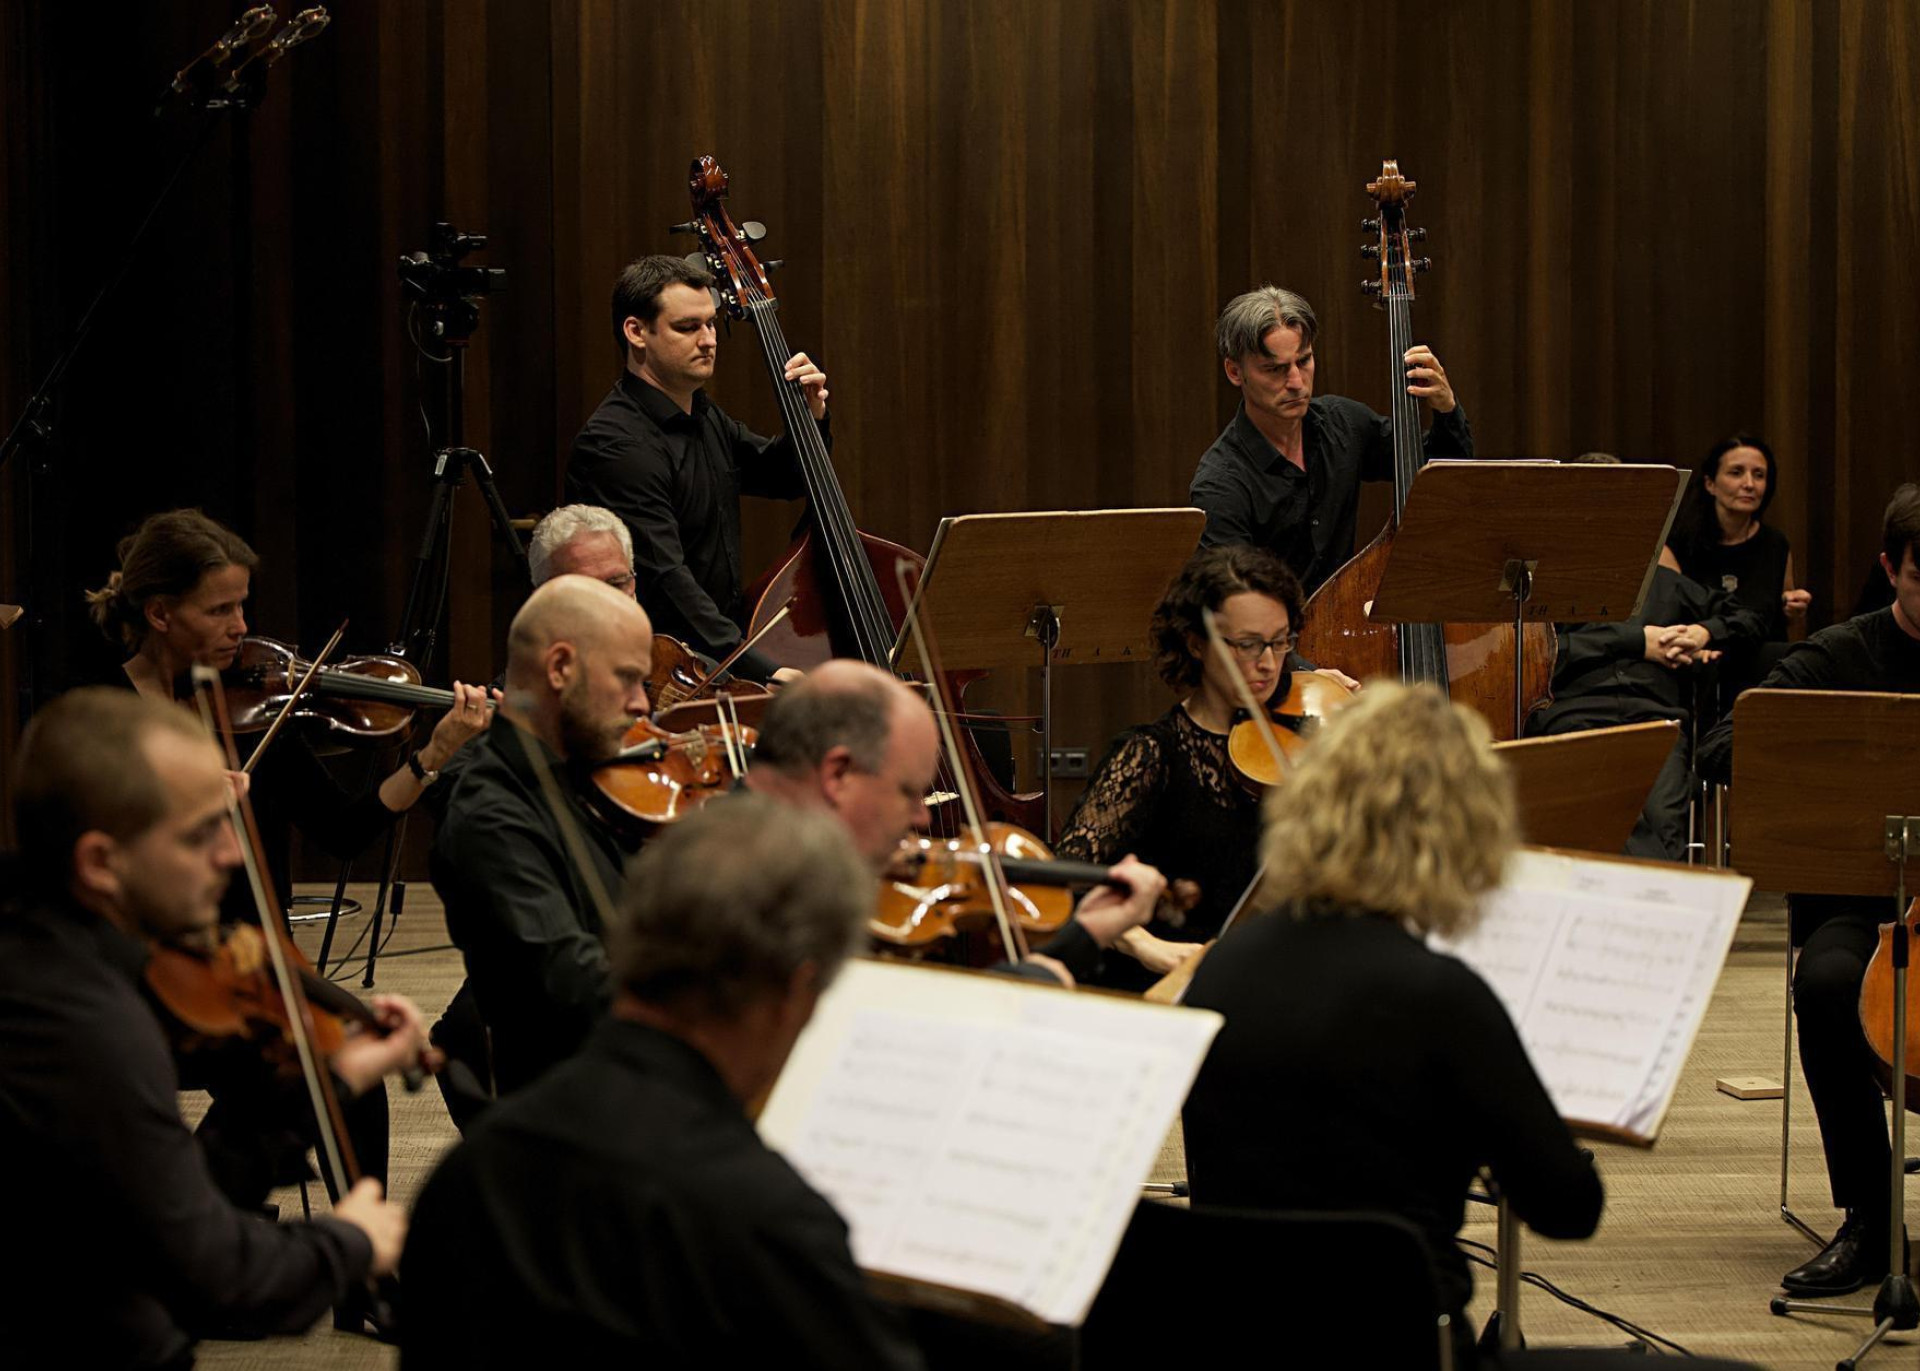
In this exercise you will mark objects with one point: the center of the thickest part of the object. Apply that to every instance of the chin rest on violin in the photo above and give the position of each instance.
(937, 887)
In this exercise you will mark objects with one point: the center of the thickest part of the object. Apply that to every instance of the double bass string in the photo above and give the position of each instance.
(846, 556)
(854, 577)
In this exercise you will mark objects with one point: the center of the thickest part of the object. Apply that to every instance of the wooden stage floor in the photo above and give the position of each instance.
(1690, 1248)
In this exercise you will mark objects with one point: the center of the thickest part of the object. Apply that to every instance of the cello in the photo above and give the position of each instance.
(836, 582)
(1474, 663)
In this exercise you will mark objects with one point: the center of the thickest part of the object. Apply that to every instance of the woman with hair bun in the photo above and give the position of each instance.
(1358, 1069)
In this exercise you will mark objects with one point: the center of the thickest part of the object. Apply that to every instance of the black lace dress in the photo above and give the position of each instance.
(1166, 792)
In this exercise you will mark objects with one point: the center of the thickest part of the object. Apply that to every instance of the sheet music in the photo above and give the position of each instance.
(1606, 968)
(983, 1133)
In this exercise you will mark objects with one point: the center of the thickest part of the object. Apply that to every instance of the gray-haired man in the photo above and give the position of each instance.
(1285, 475)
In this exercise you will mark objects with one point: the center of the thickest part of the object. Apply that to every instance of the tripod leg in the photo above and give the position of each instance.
(447, 476)
(389, 863)
(497, 509)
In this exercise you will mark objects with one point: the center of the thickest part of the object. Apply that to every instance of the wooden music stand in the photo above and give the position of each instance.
(1062, 588)
(1838, 813)
(1584, 791)
(1504, 542)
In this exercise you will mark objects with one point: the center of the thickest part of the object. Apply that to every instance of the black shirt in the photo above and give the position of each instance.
(1871, 652)
(1754, 572)
(1601, 674)
(623, 1212)
(1358, 1069)
(1252, 494)
(1167, 793)
(125, 1253)
(676, 479)
(522, 913)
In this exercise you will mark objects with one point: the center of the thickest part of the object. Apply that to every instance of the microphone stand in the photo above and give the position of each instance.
(35, 430)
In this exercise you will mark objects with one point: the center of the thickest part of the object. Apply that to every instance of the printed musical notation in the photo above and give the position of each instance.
(1606, 968)
(980, 1133)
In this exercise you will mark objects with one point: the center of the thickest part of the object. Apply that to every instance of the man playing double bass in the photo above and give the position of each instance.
(1285, 474)
(671, 463)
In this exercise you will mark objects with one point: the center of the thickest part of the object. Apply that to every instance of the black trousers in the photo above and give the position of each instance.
(1661, 832)
(1842, 1073)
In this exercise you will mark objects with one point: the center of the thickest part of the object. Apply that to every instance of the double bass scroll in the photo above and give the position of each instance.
(1474, 663)
(837, 581)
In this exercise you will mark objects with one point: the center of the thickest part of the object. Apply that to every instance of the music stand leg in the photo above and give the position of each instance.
(1517, 579)
(1502, 1333)
(1044, 626)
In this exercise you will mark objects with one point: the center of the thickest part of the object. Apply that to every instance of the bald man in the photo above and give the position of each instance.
(855, 740)
(520, 906)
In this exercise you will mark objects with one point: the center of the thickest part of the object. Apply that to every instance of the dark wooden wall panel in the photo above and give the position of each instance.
(1007, 230)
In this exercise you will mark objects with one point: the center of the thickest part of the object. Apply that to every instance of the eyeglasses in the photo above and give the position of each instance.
(624, 581)
(1251, 650)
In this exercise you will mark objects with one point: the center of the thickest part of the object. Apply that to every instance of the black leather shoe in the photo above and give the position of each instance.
(1857, 1256)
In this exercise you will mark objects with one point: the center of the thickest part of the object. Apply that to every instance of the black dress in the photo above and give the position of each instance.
(1754, 573)
(1167, 793)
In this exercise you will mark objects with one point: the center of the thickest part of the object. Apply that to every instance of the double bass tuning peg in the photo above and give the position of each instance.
(1418, 235)
(753, 231)
(1370, 251)
(689, 227)
(1423, 264)
(1369, 226)
(1369, 287)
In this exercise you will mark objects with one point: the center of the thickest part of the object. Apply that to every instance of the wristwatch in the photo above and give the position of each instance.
(420, 773)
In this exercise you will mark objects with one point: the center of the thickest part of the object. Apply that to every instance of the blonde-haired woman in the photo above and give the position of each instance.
(1359, 1069)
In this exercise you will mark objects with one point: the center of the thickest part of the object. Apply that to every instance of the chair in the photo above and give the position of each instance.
(1316, 1289)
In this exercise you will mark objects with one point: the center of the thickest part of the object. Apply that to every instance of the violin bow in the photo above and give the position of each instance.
(286, 710)
(746, 645)
(1011, 938)
(1268, 737)
(334, 1143)
(570, 835)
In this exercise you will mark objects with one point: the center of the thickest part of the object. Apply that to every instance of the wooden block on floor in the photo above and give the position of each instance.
(1749, 1087)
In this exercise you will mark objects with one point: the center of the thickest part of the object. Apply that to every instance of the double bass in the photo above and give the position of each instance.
(1474, 663)
(836, 582)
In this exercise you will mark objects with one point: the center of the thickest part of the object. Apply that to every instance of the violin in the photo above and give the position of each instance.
(226, 990)
(1310, 698)
(363, 699)
(936, 887)
(1877, 1003)
(681, 674)
(662, 774)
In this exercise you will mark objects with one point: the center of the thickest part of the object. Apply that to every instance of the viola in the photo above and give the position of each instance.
(661, 774)
(1474, 663)
(366, 699)
(936, 887)
(226, 990)
(1310, 698)
(837, 584)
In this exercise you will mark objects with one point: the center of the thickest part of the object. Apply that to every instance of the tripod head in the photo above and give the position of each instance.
(450, 293)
